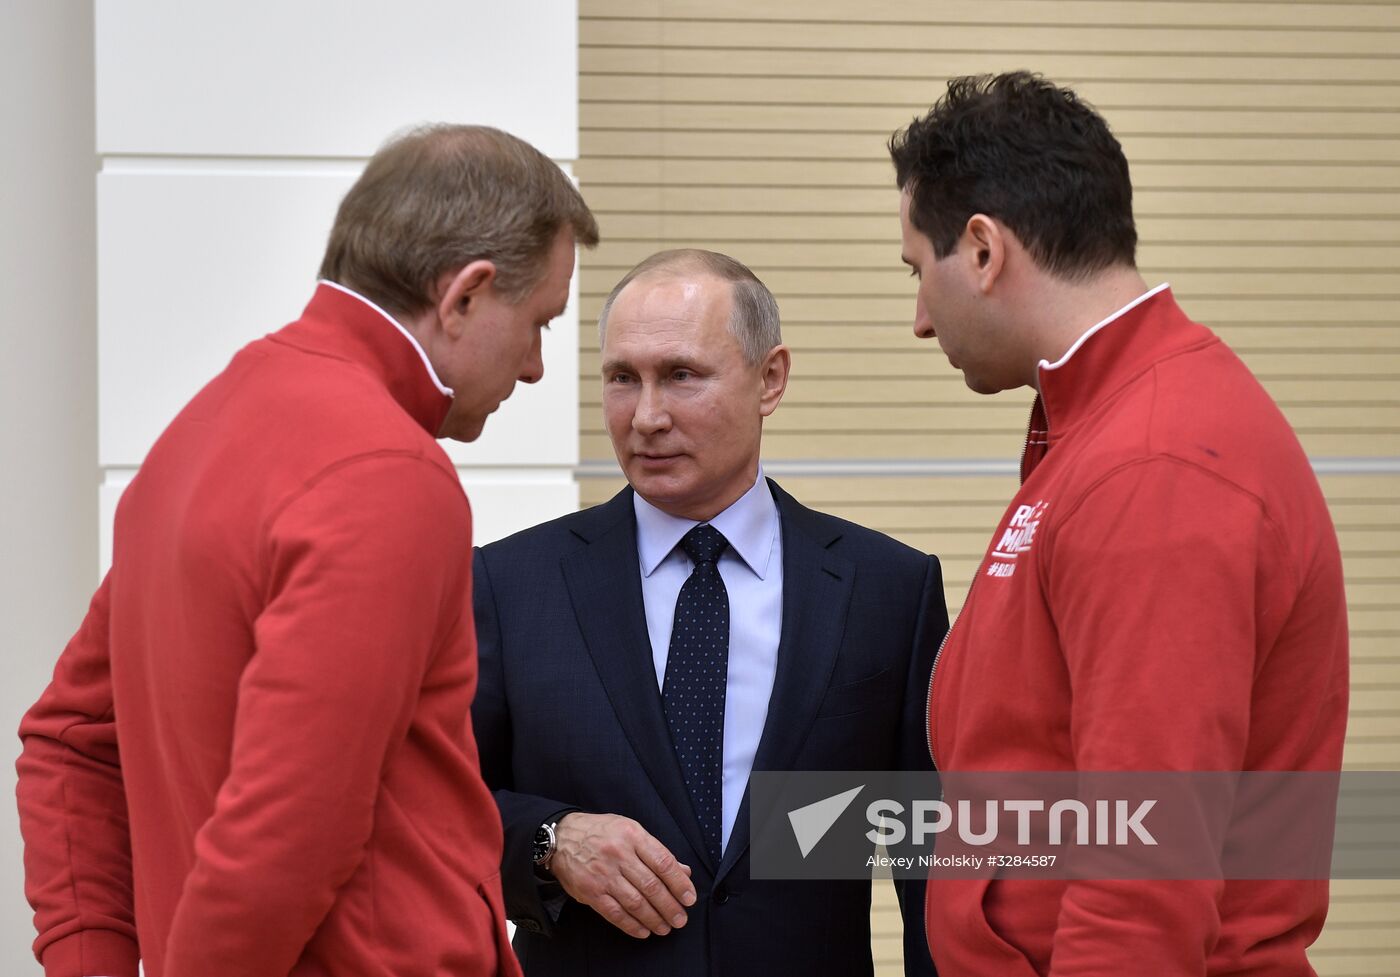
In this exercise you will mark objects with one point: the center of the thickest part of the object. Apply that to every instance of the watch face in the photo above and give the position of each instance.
(542, 844)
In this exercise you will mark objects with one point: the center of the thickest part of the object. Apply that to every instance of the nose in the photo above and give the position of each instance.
(651, 415)
(532, 370)
(923, 323)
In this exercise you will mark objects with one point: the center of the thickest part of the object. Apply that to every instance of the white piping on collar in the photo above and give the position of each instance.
(445, 390)
(1047, 365)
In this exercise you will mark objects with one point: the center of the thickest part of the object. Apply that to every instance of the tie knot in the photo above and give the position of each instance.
(703, 544)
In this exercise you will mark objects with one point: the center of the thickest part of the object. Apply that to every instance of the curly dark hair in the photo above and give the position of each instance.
(1034, 156)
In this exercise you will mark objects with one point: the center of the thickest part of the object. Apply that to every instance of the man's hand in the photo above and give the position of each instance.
(629, 878)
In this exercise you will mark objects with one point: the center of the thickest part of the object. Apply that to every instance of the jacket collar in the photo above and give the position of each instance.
(343, 325)
(1107, 358)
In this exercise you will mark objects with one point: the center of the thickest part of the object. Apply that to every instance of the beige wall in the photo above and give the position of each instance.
(1264, 140)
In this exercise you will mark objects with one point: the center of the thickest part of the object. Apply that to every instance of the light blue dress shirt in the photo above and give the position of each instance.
(752, 570)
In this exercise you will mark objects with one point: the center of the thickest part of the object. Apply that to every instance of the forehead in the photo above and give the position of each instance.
(671, 310)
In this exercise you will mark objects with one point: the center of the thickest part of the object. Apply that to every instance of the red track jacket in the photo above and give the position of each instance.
(1163, 594)
(255, 757)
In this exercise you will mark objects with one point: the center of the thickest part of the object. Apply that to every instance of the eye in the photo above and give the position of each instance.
(619, 378)
(681, 375)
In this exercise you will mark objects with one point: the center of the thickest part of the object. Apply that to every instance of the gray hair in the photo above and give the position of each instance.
(754, 318)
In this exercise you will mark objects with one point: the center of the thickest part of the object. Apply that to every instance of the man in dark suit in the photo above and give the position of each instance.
(639, 659)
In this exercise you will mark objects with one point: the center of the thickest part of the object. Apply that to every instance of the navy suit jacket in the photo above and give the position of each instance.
(568, 715)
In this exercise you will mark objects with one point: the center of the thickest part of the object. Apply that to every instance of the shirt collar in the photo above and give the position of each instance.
(750, 525)
(432, 374)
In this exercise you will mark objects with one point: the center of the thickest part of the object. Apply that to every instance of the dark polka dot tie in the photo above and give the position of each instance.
(697, 666)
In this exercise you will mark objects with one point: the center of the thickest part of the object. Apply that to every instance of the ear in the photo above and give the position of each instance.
(773, 372)
(985, 240)
(457, 291)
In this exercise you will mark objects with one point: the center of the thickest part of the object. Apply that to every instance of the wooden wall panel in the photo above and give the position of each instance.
(1264, 140)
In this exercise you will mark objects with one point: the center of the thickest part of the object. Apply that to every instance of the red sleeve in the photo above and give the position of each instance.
(1153, 586)
(72, 811)
(369, 568)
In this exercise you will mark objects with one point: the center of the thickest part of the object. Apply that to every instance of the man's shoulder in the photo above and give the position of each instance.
(311, 399)
(564, 534)
(297, 425)
(852, 540)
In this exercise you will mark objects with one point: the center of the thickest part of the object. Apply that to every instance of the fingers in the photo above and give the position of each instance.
(639, 906)
(612, 911)
(657, 899)
(671, 877)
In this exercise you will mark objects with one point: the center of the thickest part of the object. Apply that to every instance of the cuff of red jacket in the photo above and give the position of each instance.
(92, 953)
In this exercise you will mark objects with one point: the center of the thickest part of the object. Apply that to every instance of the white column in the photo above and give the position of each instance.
(48, 373)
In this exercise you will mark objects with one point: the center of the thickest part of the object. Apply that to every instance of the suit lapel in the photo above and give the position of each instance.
(605, 587)
(817, 586)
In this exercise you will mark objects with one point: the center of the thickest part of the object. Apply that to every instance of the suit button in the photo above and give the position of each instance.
(721, 896)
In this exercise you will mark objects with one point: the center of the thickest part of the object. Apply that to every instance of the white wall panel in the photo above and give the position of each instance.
(320, 78)
(229, 134)
(192, 264)
(114, 483)
(197, 258)
(508, 501)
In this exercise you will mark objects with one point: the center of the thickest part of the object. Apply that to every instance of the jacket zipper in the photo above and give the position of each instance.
(967, 602)
(928, 703)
